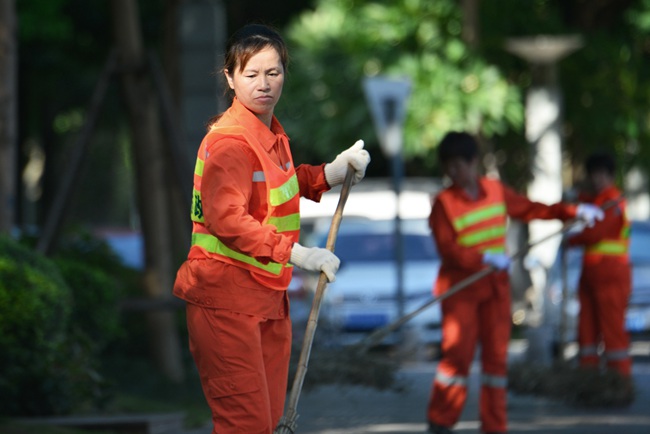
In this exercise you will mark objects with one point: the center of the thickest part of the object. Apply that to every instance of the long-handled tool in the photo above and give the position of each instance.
(287, 424)
(378, 335)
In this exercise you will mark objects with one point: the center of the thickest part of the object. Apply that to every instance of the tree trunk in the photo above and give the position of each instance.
(153, 201)
(8, 88)
(180, 192)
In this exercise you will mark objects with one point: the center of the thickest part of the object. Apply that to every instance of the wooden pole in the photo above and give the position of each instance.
(288, 424)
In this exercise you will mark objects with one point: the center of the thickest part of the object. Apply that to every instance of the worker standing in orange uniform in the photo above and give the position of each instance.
(246, 226)
(605, 280)
(468, 220)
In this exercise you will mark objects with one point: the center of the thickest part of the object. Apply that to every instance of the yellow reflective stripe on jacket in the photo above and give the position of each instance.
(479, 215)
(482, 235)
(285, 192)
(278, 196)
(198, 167)
(196, 212)
(608, 247)
(213, 245)
(625, 232)
(495, 249)
(287, 223)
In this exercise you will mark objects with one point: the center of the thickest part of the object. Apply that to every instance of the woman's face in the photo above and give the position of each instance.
(258, 85)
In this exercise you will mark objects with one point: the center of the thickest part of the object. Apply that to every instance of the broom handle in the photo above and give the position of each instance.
(287, 424)
(378, 335)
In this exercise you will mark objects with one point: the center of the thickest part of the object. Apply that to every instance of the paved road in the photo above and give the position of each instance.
(355, 410)
(359, 410)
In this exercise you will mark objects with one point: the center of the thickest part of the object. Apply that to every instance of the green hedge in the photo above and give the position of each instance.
(56, 317)
(35, 306)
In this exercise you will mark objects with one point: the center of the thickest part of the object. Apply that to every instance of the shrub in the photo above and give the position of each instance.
(35, 305)
(56, 316)
(95, 294)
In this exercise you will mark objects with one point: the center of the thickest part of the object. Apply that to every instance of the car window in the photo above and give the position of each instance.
(640, 244)
(362, 247)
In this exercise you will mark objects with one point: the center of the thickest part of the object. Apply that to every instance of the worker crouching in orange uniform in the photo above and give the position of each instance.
(468, 220)
(605, 281)
(246, 226)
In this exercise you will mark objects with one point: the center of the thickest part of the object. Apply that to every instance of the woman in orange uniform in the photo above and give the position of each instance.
(468, 220)
(246, 225)
(605, 281)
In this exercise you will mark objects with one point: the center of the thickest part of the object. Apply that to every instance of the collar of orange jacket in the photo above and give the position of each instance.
(238, 114)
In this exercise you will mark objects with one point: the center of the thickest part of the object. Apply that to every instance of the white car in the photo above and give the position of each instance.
(364, 295)
(561, 291)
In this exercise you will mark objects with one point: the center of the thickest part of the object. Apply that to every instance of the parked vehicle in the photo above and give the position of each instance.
(364, 296)
(566, 271)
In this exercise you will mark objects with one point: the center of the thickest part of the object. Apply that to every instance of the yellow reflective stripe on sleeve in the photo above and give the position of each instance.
(285, 192)
(495, 249)
(625, 232)
(482, 235)
(213, 245)
(287, 223)
(479, 215)
(198, 167)
(618, 247)
(196, 213)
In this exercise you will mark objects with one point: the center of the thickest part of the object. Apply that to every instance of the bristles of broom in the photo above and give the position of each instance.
(580, 387)
(348, 366)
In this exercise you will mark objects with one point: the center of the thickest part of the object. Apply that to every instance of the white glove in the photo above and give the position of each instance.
(355, 156)
(315, 259)
(589, 213)
(500, 261)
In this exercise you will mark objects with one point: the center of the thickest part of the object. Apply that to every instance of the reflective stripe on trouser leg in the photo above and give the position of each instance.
(588, 355)
(493, 401)
(448, 396)
(619, 360)
(494, 336)
(449, 389)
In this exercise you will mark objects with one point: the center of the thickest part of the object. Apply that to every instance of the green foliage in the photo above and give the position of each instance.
(34, 295)
(56, 318)
(34, 313)
(95, 294)
(605, 84)
(340, 42)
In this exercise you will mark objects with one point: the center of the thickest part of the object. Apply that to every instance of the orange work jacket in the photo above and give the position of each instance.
(234, 199)
(282, 200)
(607, 242)
(465, 228)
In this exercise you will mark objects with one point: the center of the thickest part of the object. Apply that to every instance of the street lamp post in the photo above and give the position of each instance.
(543, 132)
(386, 98)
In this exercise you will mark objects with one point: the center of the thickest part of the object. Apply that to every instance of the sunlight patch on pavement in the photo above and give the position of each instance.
(581, 421)
(398, 428)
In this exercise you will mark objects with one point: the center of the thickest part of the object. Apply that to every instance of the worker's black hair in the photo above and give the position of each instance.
(457, 144)
(600, 161)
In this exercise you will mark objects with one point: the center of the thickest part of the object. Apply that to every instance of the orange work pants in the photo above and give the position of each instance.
(479, 315)
(243, 363)
(604, 293)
